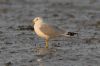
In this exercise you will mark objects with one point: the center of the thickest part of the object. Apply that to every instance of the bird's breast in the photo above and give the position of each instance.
(39, 32)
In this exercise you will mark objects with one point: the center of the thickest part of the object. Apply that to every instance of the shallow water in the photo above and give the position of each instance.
(17, 37)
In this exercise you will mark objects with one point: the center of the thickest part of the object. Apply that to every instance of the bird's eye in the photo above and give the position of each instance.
(36, 19)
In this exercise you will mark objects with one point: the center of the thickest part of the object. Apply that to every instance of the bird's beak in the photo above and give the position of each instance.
(33, 22)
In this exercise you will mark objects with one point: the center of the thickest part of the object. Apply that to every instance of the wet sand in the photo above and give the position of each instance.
(17, 44)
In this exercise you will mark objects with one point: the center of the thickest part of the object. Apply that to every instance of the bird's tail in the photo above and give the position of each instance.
(70, 34)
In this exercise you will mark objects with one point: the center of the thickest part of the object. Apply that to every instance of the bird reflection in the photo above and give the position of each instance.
(42, 54)
(44, 51)
(40, 62)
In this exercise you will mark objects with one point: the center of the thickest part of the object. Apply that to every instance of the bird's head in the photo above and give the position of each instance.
(37, 20)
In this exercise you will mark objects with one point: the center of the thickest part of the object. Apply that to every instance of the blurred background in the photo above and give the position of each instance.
(17, 40)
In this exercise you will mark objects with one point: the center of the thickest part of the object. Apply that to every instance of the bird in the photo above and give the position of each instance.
(48, 31)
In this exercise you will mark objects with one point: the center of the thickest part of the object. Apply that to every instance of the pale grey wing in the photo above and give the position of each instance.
(57, 29)
(51, 30)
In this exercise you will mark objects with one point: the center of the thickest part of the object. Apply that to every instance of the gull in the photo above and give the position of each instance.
(48, 31)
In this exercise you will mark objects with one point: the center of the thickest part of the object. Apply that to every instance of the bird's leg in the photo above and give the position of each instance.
(46, 43)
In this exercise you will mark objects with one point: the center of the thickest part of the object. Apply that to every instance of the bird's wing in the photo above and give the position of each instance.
(51, 30)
